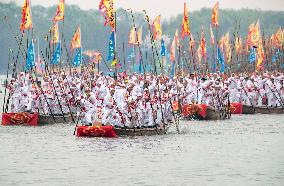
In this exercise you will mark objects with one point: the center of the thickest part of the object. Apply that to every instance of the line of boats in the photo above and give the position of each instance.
(101, 131)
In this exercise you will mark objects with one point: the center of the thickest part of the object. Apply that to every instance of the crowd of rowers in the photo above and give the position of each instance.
(138, 100)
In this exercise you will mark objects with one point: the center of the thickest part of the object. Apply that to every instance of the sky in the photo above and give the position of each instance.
(168, 8)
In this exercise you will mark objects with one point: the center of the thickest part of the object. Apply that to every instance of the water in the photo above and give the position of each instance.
(246, 150)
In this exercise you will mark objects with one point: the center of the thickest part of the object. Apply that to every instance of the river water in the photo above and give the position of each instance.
(246, 150)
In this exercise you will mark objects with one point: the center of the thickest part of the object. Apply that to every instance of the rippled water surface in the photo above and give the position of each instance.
(246, 150)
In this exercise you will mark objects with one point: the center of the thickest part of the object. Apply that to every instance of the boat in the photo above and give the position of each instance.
(262, 110)
(34, 119)
(204, 112)
(110, 131)
(48, 119)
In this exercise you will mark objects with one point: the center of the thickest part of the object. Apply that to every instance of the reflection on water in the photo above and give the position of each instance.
(242, 151)
(246, 150)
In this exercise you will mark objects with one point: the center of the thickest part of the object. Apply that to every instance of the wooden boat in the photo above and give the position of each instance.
(110, 131)
(48, 119)
(262, 110)
(211, 114)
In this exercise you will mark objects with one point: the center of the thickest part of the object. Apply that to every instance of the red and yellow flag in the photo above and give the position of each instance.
(26, 16)
(107, 10)
(59, 12)
(203, 44)
(55, 33)
(214, 19)
(76, 41)
(156, 26)
(260, 57)
(238, 45)
(185, 31)
(191, 42)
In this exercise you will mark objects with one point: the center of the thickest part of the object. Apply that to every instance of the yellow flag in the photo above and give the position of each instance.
(132, 37)
(76, 41)
(157, 30)
(185, 23)
(114, 62)
(139, 33)
(55, 33)
(26, 16)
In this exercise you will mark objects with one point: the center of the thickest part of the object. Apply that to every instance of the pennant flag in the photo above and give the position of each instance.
(76, 41)
(214, 19)
(59, 12)
(252, 55)
(177, 39)
(111, 46)
(107, 10)
(238, 45)
(212, 36)
(55, 34)
(173, 51)
(156, 26)
(132, 37)
(163, 50)
(203, 44)
(113, 63)
(30, 63)
(26, 16)
(56, 55)
(260, 58)
(78, 58)
(139, 34)
(185, 23)
(220, 58)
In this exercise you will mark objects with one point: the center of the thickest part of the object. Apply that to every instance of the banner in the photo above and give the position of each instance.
(190, 110)
(21, 118)
(95, 131)
(236, 108)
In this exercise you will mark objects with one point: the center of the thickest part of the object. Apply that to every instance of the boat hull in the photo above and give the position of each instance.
(48, 119)
(262, 110)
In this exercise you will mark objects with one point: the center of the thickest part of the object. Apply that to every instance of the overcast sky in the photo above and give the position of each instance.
(168, 8)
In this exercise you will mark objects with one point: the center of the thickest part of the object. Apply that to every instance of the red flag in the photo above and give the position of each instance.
(107, 10)
(173, 51)
(60, 11)
(21, 118)
(26, 16)
(214, 19)
(236, 108)
(190, 110)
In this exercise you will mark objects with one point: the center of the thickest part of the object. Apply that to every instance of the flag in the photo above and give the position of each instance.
(78, 58)
(191, 41)
(76, 41)
(255, 35)
(55, 34)
(97, 57)
(132, 37)
(107, 11)
(226, 42)
(20, 118)
(275, 56)
(252, 55)
(139, 34)
(177, 39)
(30, 63)
(156, 26)
(114, 63)
(238, 44)
(203, 44)
(199, 54)
(39, 66)
(26, 16)
(56, 55)
(173, 51)
(279, 37)
(131, 54)
(214, 19)
(212, 36)
(220, 58)
(185, 23)
(59, 12)
(163, 50)
(111, 46)
(172, 70)
(260, 57)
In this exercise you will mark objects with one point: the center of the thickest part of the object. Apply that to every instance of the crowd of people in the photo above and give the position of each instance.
(138, 100)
